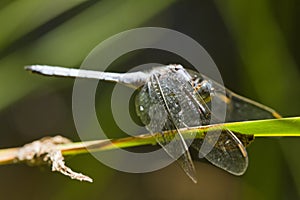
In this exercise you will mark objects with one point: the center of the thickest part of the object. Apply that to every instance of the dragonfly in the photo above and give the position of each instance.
(170, 98)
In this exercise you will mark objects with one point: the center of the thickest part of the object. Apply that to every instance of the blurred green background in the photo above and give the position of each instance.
(255, 44)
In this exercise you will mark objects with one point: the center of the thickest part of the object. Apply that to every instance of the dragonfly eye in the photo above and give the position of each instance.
(176, 67)
(204, 89)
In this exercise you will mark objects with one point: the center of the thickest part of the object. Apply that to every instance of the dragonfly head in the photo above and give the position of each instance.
(203, 87)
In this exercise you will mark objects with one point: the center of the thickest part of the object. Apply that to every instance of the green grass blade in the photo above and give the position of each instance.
(259, 128)
(285, 127)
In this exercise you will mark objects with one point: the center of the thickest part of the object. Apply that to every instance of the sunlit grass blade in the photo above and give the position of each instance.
(285, 127)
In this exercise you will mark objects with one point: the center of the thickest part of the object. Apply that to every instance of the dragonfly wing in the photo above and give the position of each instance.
(238, 108)
(220, 147)
(227, 153)
(162, 104)
(177, 148)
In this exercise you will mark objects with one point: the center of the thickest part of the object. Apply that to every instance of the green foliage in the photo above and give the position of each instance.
(264, 32)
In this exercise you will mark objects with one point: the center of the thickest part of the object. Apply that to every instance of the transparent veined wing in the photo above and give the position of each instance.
(228, 152)
(220, 147)
(239, 108)
(164, 103)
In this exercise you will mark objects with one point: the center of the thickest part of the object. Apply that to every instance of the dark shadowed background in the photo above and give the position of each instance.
(255, 44)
